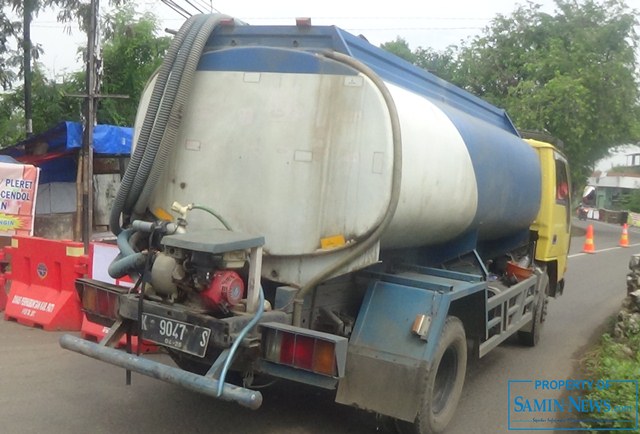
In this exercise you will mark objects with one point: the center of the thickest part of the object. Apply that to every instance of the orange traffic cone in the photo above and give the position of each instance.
(588, 242)
(624, 238)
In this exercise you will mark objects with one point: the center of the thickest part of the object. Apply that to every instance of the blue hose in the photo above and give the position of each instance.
(239, 339)
(123, 242)
(123, 265)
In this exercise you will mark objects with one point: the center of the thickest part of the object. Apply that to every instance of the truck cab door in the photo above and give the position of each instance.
(553, 223)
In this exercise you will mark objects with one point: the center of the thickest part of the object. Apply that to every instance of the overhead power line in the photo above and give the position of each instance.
(186, 8)
(177, 8)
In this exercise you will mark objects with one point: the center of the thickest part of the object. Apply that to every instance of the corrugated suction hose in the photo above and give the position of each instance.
(162, 118)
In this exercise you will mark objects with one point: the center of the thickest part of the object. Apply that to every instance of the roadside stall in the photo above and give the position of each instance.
(40, 209)
(55, 152)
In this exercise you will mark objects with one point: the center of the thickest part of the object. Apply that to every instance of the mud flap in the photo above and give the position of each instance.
(386, 362)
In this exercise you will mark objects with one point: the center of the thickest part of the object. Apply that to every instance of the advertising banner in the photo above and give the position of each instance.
(18, 189)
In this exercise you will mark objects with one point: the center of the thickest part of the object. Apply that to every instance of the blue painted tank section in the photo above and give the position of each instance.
(267, 59)
(507, 173)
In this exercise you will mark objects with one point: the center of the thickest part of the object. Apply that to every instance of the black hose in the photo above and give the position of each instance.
(185, 84)
(160, 127)
(149, 120)
(163, 117)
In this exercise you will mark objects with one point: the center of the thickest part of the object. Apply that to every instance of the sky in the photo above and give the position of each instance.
(427, 23)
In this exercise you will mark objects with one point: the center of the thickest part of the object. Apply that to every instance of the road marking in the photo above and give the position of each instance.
(603, 250)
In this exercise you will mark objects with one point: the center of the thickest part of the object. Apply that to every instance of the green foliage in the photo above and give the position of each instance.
(443, 64)
(631, 201)
(613, 360)
(131, 53)
(68, 10)
(400, 48)
(51, 104)
(13, 35)
(571, 74)
(9, 57)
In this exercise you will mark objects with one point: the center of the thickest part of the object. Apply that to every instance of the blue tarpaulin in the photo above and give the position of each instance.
(58, 163)
(67, 136)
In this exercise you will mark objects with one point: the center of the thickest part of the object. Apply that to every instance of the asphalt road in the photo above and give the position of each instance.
(45, 389)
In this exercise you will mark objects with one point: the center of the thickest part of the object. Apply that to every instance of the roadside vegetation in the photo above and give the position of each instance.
(132, 48)
(571, 73)
(615, 363)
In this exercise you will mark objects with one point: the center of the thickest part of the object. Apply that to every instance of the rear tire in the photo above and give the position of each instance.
(443, 382)
(188, 363)
(532, 338)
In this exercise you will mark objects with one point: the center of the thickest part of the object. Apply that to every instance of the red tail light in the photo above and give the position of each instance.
(100, 301)
(313, 351)
(297, 351)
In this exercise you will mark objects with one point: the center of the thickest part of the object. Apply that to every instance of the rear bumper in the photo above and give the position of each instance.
(197, 383)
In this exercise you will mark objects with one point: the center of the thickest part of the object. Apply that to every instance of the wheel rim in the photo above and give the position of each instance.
(445, 379)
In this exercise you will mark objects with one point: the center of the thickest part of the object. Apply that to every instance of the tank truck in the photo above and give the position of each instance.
(302, 205)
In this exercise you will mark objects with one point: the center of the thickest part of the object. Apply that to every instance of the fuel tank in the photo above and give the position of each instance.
(296, 145)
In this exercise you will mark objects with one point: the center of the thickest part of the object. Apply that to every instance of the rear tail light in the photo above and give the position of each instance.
(100, 301)
(305, 349)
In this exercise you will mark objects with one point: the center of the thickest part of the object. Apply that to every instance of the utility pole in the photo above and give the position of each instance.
(85, 166)
(26, 46)
(83, 229)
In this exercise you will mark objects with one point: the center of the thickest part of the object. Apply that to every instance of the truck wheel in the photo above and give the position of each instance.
(531, 338)
(443, 383)
(187, 363)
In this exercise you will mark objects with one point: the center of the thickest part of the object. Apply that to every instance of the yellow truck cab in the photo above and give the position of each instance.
(553, 222)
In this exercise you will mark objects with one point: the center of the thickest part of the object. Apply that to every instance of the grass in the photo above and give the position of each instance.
(614, 359)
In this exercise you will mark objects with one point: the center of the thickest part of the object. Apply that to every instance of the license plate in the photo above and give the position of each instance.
(188, 338)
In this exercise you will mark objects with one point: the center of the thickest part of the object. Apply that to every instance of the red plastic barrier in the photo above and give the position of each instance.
(3, 280)
(43, 274)
(3, 294)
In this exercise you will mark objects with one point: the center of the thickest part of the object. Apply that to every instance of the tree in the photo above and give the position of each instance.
(69, 10)
(572, 74)
(441, 63)
(400, 48)
(131, 53)
(631, 201)
(8, 56)
(50, 106)
(27, 9)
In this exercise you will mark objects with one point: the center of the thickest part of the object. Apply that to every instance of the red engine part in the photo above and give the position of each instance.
(226, 289)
